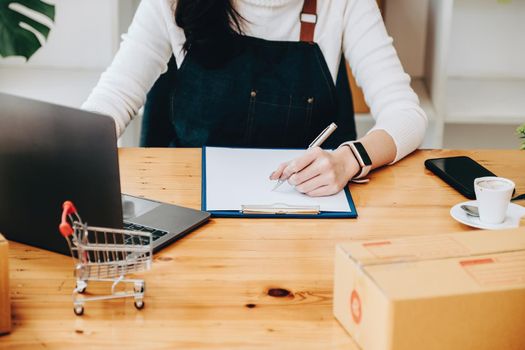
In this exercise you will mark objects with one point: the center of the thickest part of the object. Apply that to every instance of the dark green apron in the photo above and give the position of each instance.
(271, 94)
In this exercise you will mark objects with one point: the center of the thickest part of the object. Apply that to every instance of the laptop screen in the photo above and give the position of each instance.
(49, 154)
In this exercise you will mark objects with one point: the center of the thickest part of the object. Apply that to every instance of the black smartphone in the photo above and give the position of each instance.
(458, 172)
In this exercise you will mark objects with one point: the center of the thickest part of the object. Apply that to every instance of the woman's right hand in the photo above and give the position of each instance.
(318, 172)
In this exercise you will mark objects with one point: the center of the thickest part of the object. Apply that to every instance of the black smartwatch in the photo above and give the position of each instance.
(362, 157)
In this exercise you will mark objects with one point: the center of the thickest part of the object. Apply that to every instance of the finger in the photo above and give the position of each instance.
(323, 191)
(318, 167)
(301, 162)
(312, 184)
(308, 173)
(276, 175)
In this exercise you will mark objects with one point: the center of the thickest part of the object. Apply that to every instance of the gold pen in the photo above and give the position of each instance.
(315, 143)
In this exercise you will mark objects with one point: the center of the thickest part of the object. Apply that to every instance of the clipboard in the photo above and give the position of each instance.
(251, 209)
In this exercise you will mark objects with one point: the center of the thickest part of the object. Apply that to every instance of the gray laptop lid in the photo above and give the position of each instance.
(49, 154)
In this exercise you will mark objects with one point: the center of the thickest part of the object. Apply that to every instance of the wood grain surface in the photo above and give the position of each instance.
(233, 283)
(5, 305)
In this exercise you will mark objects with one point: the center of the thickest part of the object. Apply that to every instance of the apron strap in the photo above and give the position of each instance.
(308, 19)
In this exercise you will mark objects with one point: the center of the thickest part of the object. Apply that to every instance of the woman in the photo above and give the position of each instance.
(262, 73)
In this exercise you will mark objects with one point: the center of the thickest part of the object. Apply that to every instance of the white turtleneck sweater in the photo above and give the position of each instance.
(354, 27)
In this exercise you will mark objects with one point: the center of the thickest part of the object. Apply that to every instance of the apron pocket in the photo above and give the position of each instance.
(278, 120)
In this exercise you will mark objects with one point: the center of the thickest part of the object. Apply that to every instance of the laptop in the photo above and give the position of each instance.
(49, 154)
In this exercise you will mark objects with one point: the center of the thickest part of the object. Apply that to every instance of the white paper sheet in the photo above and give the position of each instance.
(237, 177)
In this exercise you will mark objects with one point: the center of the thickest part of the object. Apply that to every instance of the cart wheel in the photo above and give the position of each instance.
(139, 287)
(79, 310)
(139, 304)
(81, 287)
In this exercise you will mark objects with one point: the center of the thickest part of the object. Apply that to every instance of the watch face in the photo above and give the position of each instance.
(362, 152)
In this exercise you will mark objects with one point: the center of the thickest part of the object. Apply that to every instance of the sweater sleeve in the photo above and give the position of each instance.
(142, 57)
(378, 70)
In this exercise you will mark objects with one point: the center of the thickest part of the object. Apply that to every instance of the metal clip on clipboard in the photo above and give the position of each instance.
(281, 209)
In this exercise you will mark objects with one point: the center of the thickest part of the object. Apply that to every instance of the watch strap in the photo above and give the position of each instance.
(362, 158)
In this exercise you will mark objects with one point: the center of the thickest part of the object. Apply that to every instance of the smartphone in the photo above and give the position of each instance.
(458, 172)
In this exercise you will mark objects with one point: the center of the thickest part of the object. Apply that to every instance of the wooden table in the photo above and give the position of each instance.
(234, 283)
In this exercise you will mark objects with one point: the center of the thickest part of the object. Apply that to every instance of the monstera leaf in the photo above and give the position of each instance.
(15, 38)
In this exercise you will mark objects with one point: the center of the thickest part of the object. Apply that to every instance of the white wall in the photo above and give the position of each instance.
(488, 39)
(406, 22)
(85, 36)
(126, 11)
(467, 136)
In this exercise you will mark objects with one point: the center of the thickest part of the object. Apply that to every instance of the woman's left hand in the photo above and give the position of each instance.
(319, 173)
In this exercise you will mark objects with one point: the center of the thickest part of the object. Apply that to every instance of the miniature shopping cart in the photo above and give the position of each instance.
(105, 255)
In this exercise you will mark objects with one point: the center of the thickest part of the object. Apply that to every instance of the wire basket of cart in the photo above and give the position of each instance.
(105, 255)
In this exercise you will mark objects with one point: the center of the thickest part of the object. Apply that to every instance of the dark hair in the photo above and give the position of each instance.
(210, 27)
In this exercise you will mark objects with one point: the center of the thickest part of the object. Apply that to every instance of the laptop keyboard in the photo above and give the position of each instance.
(155, 234)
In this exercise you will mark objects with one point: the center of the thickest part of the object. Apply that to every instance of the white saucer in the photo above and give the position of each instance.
(512, 220)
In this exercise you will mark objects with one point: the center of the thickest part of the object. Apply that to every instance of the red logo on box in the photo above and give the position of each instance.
(355, 307)
(465, 263)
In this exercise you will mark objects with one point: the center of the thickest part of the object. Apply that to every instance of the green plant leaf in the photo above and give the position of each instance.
(14, 39)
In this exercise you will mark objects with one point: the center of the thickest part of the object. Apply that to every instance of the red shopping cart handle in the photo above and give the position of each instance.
(65, 228)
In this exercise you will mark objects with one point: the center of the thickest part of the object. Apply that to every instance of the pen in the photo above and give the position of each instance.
(315, 143)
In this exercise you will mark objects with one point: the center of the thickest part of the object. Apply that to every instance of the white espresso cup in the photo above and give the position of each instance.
(493, 195)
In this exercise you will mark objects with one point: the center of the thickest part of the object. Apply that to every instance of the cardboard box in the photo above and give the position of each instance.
(5, 304)
(458, 291)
